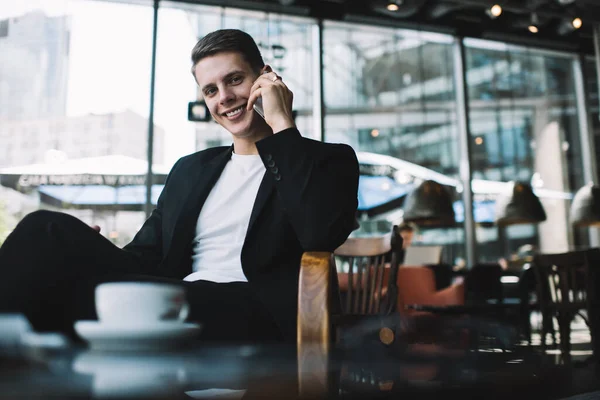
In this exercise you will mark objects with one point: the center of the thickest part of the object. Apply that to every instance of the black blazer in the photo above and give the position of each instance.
(307, 201)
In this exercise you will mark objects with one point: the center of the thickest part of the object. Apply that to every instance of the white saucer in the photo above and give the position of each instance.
(151, 336)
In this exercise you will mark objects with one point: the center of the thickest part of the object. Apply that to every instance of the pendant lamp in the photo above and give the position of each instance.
(430, 203)
(585, 208)
(519, 205)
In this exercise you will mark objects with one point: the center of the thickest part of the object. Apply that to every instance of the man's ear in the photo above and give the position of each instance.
(265, 69)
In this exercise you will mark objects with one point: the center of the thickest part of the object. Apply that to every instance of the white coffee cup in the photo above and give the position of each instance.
(135, 303)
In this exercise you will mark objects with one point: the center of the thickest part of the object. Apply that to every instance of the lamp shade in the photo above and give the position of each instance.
(585, 208)
(519, 205)
(430, 203)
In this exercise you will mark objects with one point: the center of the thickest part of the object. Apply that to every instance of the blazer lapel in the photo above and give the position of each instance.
(264, 192)
(203, 178)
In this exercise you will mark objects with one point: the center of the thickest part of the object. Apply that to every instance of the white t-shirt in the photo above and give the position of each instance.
(223, 221)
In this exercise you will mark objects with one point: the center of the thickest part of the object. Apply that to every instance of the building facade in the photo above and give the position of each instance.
(34, 65)
(36, 141)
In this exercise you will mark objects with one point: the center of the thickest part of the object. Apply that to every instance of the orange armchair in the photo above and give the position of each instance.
(416, 285)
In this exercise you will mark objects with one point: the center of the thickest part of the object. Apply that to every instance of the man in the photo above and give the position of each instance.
(407, 232)
(230, 225)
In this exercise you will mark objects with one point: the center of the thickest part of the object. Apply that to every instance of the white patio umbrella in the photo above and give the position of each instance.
(107, 182)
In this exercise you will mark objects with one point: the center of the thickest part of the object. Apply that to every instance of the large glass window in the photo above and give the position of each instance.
(524, 127)
(389, 93)
(74, 101)
(74, 105)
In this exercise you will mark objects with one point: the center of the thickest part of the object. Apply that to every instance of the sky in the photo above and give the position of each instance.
(110, 62)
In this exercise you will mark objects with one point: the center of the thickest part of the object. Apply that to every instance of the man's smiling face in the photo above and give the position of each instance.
(225, 80)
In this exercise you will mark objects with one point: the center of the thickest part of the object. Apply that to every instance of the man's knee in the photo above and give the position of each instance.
(44, 218)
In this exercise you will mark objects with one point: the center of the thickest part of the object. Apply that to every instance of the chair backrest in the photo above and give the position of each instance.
(563, 280)
(483, 282)
(367, 272)
(566, 284)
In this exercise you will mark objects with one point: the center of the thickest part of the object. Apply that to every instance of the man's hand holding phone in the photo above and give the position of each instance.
(272, 100)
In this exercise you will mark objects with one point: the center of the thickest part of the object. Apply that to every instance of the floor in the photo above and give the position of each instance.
(585, 373)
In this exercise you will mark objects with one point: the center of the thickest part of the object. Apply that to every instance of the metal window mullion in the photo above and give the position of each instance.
(593, 233)
(464, 136)
(590, 174)
(586, 133)
(318, 105)
(150, 155)
(597, 53)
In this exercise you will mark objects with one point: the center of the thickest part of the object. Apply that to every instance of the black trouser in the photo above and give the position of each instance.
(52, 262)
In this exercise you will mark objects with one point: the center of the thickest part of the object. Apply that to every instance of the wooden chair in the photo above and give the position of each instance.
(367, 270)
(483, 284)
(368, 279)
(565, 288)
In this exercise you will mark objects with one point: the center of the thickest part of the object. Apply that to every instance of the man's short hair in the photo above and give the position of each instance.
(228, 40)
(407, 227)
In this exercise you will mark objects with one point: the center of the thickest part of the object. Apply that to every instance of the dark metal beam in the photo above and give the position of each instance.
(150, 157)
(464, 165)
(586, 134)
(597, 53)
(318, 111)
(261, 5)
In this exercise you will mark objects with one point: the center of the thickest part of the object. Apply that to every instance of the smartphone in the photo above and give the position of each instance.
(258, 107)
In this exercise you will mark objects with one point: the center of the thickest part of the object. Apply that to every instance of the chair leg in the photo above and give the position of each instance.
(524, 318)
(564, 325)
(552, 331)
(526, 326)
(544, 332)
(548, 328)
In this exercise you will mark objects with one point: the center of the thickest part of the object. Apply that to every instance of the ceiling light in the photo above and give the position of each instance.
(392, 7)
(495, 11)
(533, 26)
(567, 26)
